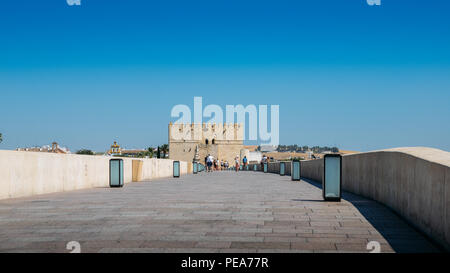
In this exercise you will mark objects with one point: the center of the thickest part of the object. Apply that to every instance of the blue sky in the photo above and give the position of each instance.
(344, 73)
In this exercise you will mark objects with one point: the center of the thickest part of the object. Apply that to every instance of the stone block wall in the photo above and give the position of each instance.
(30, 173)
(414, 182)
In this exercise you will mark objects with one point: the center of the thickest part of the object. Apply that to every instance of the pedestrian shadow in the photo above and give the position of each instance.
(401, 236)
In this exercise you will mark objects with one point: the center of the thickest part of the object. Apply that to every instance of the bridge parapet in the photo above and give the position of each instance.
(273, 167)
(414, 182)
(25, 174)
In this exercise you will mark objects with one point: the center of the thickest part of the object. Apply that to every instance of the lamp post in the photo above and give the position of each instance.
(282, 168)
(195, 167)
(332, 177)
(295, 170)
(196, 160)
(176, 169)
(116, 173)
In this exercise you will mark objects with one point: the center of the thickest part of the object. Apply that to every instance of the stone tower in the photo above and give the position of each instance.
(222, 141)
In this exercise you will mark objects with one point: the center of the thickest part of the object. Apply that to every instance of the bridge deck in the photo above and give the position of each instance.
(218, 212)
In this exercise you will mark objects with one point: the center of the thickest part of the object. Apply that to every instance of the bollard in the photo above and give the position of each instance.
(295, 170)
(116, 173)
(282, 168)
(332, 177)
(176, 169)
(195, 167)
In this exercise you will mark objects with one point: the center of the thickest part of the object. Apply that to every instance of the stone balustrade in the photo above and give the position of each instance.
(30, 173)
(414, 182)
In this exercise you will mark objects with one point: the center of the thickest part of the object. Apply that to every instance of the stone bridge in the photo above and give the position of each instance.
(243, 211)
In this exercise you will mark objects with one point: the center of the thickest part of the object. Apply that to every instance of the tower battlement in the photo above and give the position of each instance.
(221, 140)
(206, 132)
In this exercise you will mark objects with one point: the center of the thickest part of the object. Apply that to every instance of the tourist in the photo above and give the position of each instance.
(245, 162)
(209, 163)
(238, 163)
(263, 160)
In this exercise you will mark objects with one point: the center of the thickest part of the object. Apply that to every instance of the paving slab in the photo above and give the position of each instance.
(209, 212)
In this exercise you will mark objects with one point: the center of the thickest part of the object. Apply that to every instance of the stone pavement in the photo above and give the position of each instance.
(217, 212)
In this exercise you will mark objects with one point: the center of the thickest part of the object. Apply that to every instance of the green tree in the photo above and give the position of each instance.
(84, 152)
(165, 150)
(150, 152)
(1, 137)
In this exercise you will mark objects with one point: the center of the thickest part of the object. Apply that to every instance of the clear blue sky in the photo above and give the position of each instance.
(344, 73)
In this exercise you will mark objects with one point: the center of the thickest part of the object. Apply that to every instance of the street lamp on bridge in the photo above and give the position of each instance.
(295, 170)
(116, 173)
(195, 167)
(282, 168)
(176, 169)
(332, 177)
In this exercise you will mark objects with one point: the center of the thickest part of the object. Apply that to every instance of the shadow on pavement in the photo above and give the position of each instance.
(388, 223)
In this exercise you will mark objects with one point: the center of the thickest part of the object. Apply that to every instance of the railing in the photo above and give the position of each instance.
(32, 173)
(414, 182)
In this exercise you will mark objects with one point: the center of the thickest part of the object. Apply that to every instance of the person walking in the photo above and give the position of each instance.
(209, 163)
(263, 160)
(245, 162)
(237, 163)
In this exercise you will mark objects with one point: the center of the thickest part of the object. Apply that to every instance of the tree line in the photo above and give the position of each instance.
(304, 149)
(160, 152)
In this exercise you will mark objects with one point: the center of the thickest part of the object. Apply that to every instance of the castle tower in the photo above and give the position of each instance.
(222, 141)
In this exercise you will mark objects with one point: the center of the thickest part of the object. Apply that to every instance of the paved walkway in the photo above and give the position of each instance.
(219, 212)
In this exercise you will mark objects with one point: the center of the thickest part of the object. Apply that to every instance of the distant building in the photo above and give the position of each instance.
(268, 148)
(254, 157)
(54, 148)
(117, 150)
(222, 141)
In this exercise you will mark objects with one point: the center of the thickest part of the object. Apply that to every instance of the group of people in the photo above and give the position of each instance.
(213, 164)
